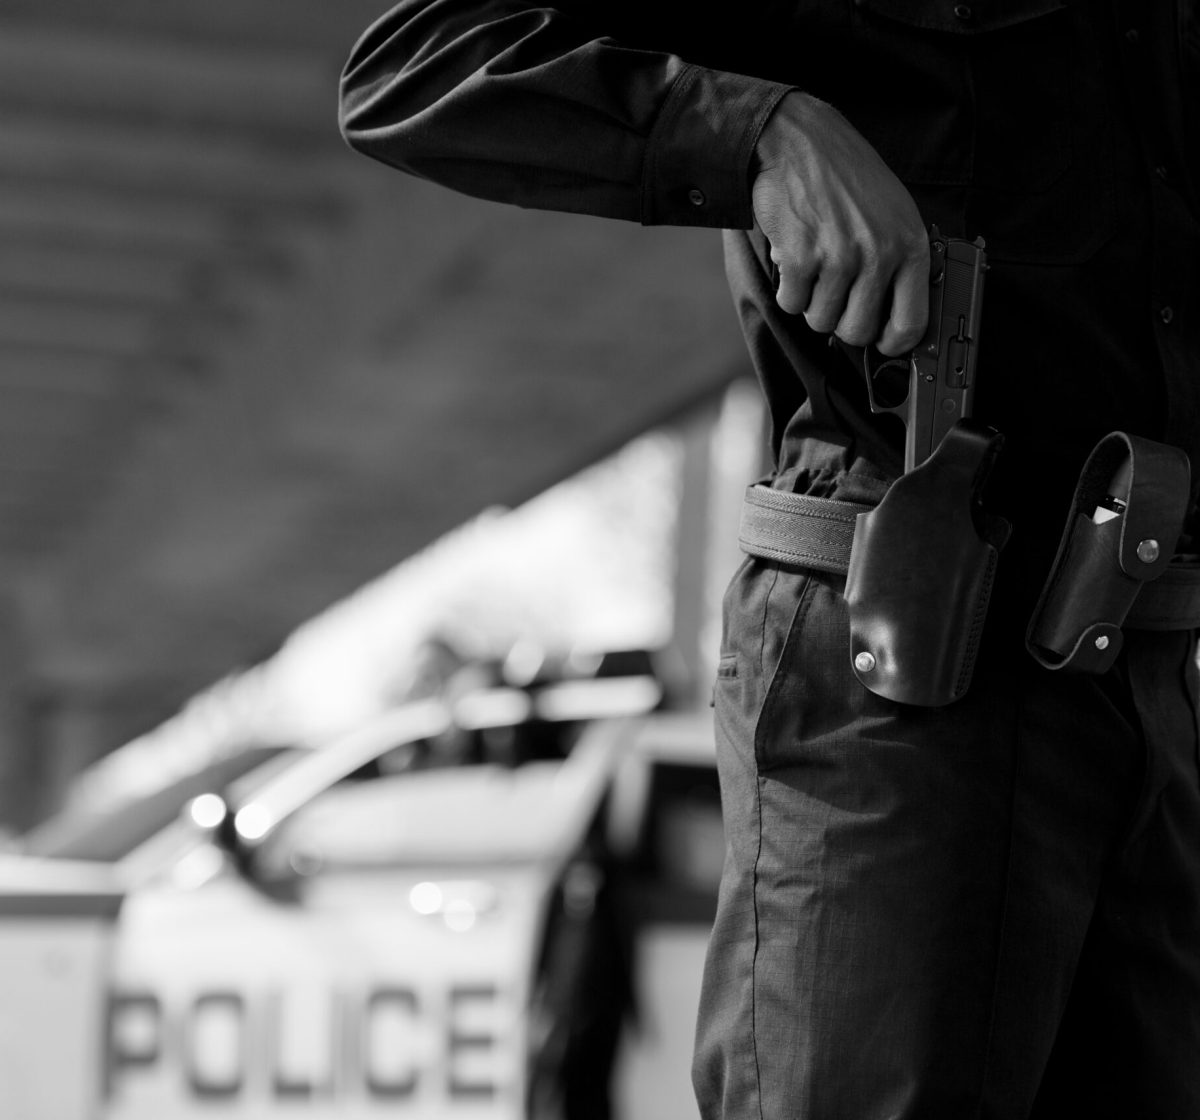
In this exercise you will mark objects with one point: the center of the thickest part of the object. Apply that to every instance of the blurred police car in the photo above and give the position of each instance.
(476, 909)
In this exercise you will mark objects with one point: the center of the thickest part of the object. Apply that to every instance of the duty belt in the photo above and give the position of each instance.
(817, 533)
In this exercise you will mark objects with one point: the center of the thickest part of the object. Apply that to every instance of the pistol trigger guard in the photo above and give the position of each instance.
(872, 372)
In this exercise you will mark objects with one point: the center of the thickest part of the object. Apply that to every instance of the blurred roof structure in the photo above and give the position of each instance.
(243, 370)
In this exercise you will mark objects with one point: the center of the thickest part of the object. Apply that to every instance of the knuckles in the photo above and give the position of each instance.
(821, 321)
(818, 279)
(843, 263)
(890, 253)
(857, 334)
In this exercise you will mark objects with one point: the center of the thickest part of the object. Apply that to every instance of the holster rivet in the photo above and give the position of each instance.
(1147, 551)
(1102, 642)
(864, 662)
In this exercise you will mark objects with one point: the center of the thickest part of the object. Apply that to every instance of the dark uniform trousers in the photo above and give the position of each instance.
(989, 910)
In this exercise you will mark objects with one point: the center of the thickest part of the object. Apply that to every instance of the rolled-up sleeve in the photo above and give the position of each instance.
(542, 107)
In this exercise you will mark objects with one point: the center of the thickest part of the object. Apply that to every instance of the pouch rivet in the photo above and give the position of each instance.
(1147, 551)
(1102, 642)
(864, 662)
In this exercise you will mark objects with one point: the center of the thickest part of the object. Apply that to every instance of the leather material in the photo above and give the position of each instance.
(1102, 565)
(921, 572)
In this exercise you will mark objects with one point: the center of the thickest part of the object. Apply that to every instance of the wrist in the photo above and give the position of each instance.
(789, 122)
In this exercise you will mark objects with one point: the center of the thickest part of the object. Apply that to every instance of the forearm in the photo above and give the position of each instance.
(540, 107)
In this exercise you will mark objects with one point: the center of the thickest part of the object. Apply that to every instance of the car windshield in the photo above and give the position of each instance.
(469, 814)
(109, 833)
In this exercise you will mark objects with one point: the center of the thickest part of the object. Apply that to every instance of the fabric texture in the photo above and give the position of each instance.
(988, 910)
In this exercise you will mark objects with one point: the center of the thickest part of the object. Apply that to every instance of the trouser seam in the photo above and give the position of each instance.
(762, 644)
(766, 688)
(768, 685)
(754, 960)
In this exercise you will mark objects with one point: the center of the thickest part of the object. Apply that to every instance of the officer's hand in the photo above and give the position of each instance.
(845, 234)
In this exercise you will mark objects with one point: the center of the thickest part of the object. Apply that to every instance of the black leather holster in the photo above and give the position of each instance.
(921, 571)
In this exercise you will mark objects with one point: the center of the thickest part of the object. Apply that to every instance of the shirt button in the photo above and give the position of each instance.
(696, 197)
(1131, 36)
(963, 12)
(1162, 173)
(1167, 314)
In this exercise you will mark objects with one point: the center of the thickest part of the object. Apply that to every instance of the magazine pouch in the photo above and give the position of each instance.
(921, 572)
(1122, 530)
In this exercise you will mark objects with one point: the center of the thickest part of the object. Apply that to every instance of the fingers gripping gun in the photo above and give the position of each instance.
(935, 386)
(923, 560)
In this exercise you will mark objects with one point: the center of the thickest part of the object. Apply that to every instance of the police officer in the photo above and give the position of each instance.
(989, 909)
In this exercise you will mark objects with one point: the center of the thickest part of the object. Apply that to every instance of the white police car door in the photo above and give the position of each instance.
(377, 961)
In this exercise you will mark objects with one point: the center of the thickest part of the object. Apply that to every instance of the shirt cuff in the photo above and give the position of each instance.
(697, 170)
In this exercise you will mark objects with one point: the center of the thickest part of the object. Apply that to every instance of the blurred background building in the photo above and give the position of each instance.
(275, 421)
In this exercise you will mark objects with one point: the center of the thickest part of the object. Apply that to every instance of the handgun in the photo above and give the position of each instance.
(934, 387)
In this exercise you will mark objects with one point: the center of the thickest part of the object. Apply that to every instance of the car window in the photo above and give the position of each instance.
(109, 833)
(450, 816)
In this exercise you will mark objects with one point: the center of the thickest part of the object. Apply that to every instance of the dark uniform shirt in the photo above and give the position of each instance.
(1064, 132)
